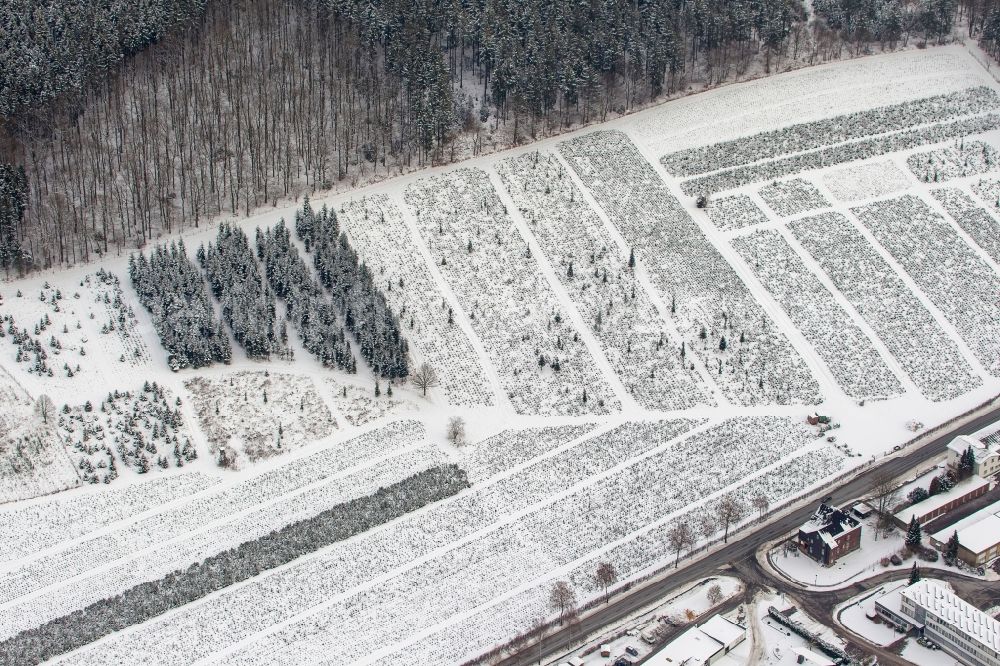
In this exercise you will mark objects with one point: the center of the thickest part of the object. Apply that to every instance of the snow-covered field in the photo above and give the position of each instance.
(843, 346)
(792, 197)
(736, 211)
(623, 361)
(532, 340)
(866, 180)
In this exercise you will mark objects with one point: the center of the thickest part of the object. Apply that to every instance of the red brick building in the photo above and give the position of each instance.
(942, 503)
(829, 535)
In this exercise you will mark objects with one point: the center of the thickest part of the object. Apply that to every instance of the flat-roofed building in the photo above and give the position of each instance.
(962, 630)
(700, 646)
(942, 503)
(978, 536)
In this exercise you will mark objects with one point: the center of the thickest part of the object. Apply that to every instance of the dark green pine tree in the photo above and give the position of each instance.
(914, 535)
(951, 549)
(631, 258)
(914, 574)
(966, 463)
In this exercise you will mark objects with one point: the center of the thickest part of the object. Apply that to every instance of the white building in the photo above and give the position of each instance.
(978, 536)
(961, 629)
(985, 445)
(700, 646)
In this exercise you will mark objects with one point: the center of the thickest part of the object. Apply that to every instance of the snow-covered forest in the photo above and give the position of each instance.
(135, 119)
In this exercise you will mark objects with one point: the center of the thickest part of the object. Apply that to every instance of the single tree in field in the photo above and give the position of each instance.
(914, 535)
(885, 494)
(951, 550)
(562, 598)
(456, 430)
(425, 377)
(606, 577)
(714, 594)
(761, 504)
(914, 574)
(680, 537)
(730, 511)
(45, 407)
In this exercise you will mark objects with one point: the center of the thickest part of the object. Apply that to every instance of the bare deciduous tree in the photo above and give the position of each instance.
(884, 496)
(456, 431)
(606, 577)
(425, 377)
(680, 537)
(707, 525)
(562, 598)
(761, 504)
(730, 511)
(45, 407)
(714, 594)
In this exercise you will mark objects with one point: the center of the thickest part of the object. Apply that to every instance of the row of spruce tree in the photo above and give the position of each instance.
(170, 286)
(310, 311)
(362, 304)
(148, 600)
(247, 303)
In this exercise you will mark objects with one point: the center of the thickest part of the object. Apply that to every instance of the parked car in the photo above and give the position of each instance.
(623, 661)
(632, 651)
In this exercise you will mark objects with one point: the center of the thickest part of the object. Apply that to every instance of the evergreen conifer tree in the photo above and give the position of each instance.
(914, 534)
(951, 549)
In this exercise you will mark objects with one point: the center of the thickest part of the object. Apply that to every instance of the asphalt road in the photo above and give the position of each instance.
(742, 546)
(820, 604)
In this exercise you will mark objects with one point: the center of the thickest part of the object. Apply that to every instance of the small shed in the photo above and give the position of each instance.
(728, 633)
(862, 510)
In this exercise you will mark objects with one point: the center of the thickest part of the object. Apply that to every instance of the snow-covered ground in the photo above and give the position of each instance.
(771, 642)
(856, 614)
(601, 413)
(690, 605)
(862, 563)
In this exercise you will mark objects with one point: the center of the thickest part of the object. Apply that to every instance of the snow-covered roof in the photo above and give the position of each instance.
(988, 435)
(694, 647)
(956, 612)
(811, 657)
(829, 520)
(935, 502)
(961, 443)
(862, 508)
(981, 536)
(828, 539)
(723, 630)
(971, 534)
(891, 602)
(984, 443)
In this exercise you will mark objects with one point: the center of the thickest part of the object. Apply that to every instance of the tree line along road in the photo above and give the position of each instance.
(562, 639)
